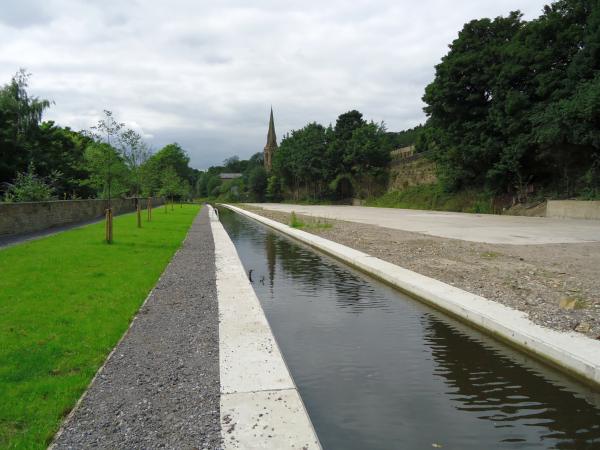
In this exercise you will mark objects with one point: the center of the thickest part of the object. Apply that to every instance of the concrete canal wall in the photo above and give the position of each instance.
(260, 405)
(573, 209)
(571, 353)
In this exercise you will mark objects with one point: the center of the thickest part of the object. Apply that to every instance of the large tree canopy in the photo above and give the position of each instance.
(516, 102)
(20, 116)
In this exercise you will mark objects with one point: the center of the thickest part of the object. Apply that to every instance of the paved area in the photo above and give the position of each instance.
(160, 387)
(487, 228)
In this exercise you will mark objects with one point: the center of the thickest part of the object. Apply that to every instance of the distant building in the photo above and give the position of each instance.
(271, 146)
(229, 176)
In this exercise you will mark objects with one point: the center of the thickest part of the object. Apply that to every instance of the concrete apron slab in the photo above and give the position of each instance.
(260, 405)
(486, 228)
(572, 353)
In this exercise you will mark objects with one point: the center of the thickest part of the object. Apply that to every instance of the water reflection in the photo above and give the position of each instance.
(377, 370)
(271, 253)
(495, 388)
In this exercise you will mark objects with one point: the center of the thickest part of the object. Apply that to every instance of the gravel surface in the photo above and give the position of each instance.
(558, 285)
(160, 387)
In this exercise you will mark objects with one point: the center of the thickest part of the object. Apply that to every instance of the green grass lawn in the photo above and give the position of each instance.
(65, 301)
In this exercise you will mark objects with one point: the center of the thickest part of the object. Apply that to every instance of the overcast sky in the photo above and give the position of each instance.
(204, 74)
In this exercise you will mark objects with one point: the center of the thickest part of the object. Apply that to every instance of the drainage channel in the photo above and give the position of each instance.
(379, 370)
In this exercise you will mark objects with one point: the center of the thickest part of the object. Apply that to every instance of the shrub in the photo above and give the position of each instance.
(295, 222)
(30, 187)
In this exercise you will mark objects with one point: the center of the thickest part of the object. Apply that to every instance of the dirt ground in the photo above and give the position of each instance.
(558, 285)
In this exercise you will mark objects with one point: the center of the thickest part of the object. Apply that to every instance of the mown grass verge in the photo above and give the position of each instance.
(65, 301)
(433, 197)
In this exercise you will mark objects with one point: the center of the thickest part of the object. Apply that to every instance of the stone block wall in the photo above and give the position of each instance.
(411, 171)
(20, 218)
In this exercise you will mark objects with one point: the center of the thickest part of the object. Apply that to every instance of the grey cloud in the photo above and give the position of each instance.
(205, 73)
(24, 13)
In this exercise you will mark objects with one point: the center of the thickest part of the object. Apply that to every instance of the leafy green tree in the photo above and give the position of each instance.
(338, 140)
(256, 159)
(172, 184)
(299, 161)
(568, 133)
(171, 155)
(201, 183)
(235, 165)
(30, 187)
(107, 130)
(274, 190)
(104, 163)
(513, 102)
(135, 153)
(20, 116)
(257, 182)
(212, 186)
(404, 138)
(460, 100)
(368, 155)
(62, 150)
(231, 190)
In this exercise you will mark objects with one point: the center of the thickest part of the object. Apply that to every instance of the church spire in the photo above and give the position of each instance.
(271, 137)
(271, 143)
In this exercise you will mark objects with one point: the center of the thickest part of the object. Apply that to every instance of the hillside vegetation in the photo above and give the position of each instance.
(516, 103)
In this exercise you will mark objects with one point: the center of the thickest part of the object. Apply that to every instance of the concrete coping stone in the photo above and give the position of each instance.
(260, 404)
(572, 353)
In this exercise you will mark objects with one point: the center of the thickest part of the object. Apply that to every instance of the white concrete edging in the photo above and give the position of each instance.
(572, 352)
(260, 405)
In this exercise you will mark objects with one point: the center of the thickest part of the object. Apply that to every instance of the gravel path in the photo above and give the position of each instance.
(160, 387)
(558, 285)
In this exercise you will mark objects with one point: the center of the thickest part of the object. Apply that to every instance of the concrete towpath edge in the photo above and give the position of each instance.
(572, 353)
(260, 405)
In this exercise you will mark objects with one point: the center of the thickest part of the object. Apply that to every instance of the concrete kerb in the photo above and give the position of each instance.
(260, 404)
(572, 353)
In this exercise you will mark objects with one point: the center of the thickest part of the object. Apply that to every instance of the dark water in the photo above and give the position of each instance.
(378, 370)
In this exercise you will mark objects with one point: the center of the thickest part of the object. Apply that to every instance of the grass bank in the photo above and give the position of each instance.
(309, 223)
(65, 301)
(433, 197)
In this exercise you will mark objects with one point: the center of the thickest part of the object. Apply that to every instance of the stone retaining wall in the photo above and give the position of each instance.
(410, 171)
(20, 218)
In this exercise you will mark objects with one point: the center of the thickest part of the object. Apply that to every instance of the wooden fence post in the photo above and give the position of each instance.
(109, 226)
(139, 214)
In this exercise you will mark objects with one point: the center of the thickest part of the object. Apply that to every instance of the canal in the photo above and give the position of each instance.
(378, 370)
